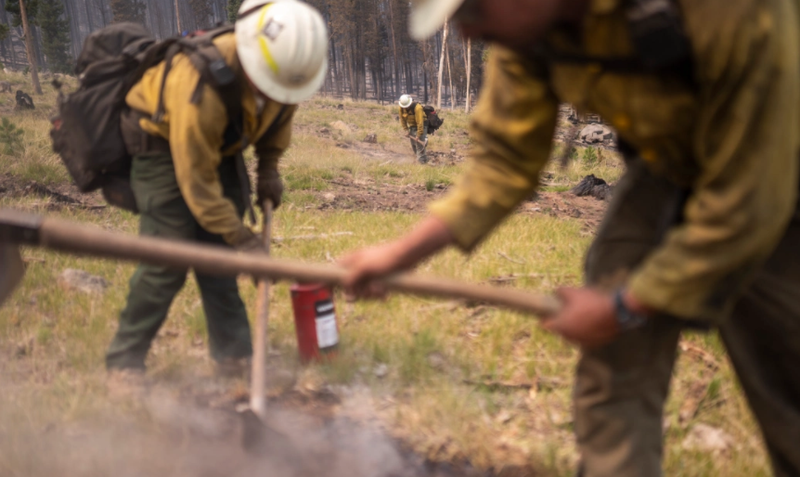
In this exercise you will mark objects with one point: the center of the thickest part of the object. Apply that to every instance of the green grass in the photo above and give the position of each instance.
(437, 354)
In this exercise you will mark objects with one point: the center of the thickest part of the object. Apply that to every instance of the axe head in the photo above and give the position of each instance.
(11, 269)
(15, 228)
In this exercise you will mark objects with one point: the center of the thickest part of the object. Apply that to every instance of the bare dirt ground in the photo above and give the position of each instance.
(366, 196)
(344, 193)
(56, 195)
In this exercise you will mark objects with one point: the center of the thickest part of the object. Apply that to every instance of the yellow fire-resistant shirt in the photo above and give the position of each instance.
(731, 136)
(415, 120)
(195, 134)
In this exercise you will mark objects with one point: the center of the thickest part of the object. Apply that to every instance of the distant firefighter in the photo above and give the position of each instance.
(414, 123)
(24, 101)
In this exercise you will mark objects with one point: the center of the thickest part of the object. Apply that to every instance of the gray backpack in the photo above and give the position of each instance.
(86, 132)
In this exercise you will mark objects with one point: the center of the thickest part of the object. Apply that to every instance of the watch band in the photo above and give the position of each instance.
(626, 319)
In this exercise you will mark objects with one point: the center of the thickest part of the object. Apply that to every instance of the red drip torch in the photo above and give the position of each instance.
(315, 321)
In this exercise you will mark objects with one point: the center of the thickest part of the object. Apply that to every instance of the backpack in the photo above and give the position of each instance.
(86, 133)
(433, 119)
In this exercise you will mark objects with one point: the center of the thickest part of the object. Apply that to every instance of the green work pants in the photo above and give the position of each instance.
(164, 214)
(419, 149)
(620, 389)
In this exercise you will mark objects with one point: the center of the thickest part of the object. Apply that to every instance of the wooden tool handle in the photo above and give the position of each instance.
(70, 237)
(258, 375)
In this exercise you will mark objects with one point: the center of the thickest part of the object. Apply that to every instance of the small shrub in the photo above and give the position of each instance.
(430, 184)
(589, 156)
(10, 137)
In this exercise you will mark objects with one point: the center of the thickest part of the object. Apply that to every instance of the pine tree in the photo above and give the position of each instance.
(233, 9)
(3, 31)
(31, 9)
(56, 42)
(128, 11)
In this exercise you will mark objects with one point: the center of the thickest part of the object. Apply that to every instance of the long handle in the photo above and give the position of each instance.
(70, 237)
(415, 139)
(258, 378)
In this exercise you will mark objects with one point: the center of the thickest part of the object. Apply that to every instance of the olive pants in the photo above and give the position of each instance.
(419, 149)
(164, 214)
(620, 389)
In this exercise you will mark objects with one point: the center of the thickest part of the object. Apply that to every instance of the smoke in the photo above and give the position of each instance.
(168, 437)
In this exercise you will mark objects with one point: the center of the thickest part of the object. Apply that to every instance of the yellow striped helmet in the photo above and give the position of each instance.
(283, 48)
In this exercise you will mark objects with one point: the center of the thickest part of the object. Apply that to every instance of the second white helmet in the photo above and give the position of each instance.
(283, 48)
(405, 101)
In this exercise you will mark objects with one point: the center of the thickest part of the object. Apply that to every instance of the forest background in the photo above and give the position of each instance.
(371, 55)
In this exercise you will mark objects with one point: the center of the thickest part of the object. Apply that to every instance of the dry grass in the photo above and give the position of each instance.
(436, 355)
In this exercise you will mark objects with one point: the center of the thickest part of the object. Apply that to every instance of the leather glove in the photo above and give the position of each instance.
(269, 186)
(253, 243)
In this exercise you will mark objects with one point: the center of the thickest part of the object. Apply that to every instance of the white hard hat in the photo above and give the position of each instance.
(427, 16)
(405, 101)
(283, 48)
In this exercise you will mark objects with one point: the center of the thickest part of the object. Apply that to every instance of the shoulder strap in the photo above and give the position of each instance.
(208, 61)
(241, 168)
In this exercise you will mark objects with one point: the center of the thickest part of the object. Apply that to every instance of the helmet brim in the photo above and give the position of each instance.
(427, 16)
(249, 52)
(399, 103)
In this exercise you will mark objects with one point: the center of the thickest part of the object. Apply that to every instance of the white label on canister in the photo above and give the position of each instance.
(327, 335)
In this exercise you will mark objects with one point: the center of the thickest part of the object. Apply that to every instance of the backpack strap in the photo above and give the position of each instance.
(207, 60)
(172, 50)
(241, 167)
(214, 72)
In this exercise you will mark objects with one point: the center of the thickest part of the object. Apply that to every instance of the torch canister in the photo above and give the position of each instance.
(314, 321)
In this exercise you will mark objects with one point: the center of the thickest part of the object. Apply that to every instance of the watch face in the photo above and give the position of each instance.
(625, 318)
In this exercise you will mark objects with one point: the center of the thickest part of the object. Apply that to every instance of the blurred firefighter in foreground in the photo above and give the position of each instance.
(703, 227)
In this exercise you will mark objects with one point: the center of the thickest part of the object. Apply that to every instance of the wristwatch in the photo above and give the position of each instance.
(626, 319)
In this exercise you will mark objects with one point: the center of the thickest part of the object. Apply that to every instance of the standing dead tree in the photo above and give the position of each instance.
(29, 46)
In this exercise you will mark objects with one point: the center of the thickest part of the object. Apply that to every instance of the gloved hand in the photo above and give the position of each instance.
(253, 243)
(269, 186)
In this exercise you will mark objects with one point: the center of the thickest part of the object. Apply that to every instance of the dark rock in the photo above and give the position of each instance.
(371, 138)
(594, 187)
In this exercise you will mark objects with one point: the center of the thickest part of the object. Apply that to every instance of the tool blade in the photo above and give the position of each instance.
(11, 269)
